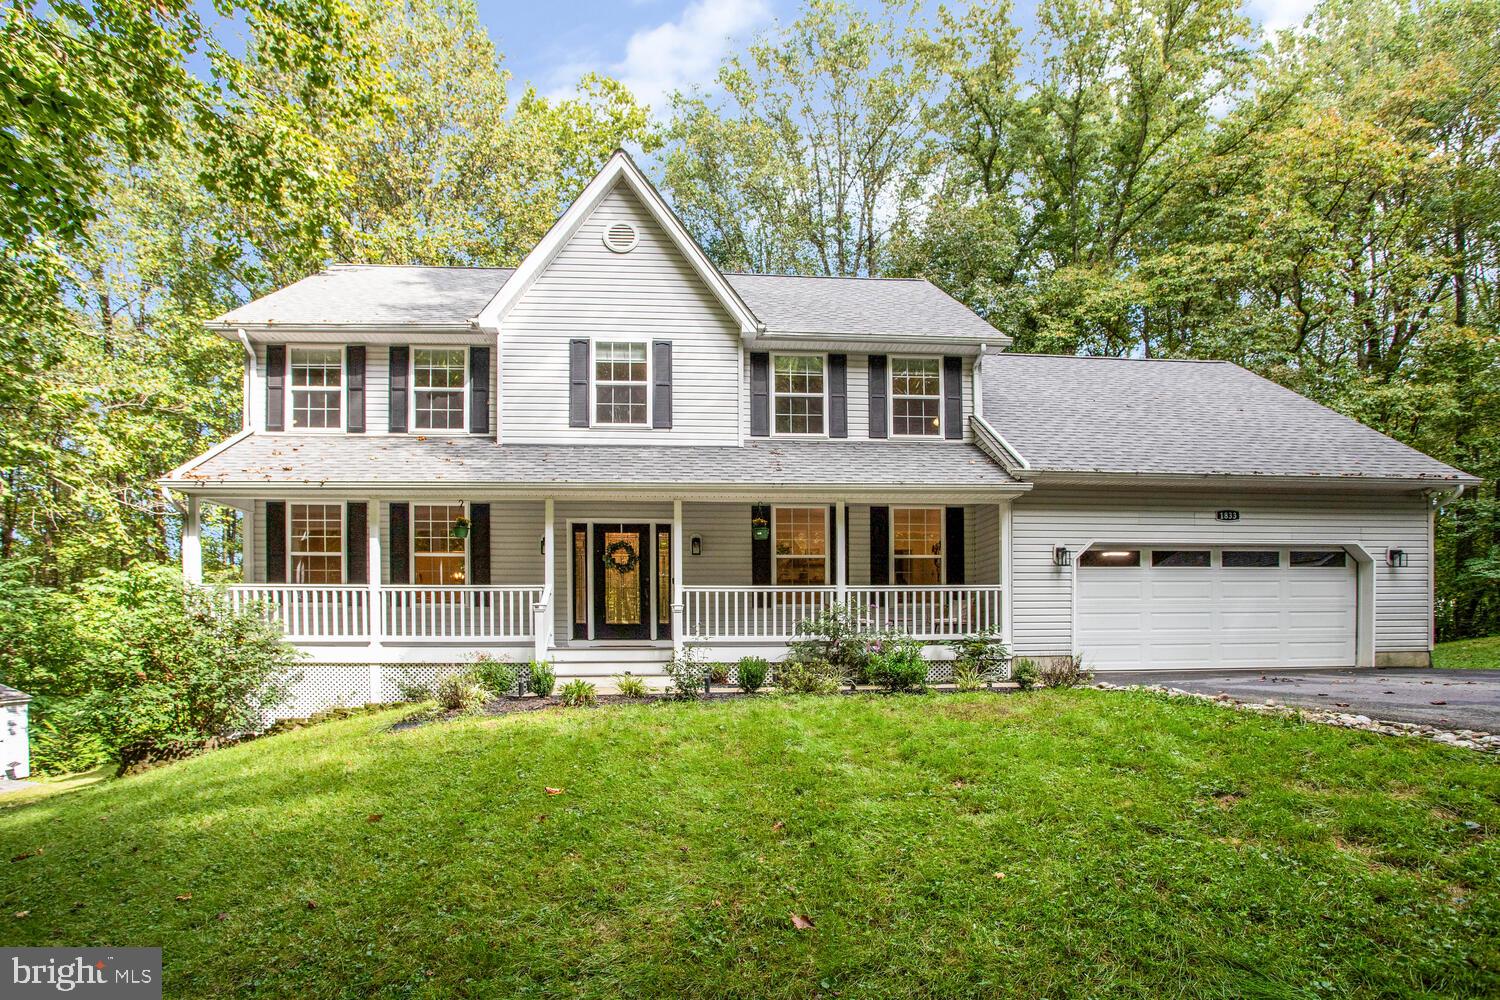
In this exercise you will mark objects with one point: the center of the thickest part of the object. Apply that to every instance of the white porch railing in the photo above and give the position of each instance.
(774, 613)
(752, 612)
(308, 612)
(445, 613)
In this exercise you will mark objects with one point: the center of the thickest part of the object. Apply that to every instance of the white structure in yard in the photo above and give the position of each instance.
(15, 736)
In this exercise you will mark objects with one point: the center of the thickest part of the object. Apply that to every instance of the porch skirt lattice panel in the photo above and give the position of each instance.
(315, 687)
(401, 682)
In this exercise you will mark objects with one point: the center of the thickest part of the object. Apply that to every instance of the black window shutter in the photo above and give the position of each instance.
(880, 546)
(838, 395)
(953, 544)
(275, 541)
(953, 398)
(354, 370)
(400, 543)
(760, 548)
(760, 395)
(479, 544)
(661, 379)
(578, 383)
(356, 543)
(399, 373)
(275, 387)
(878, 421)
(479, 390)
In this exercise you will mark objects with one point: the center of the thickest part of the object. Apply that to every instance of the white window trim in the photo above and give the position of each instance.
(799, 354)
(292, 553)
(594, 421)
(776, 557)
(289, 418)
(411, 538)
(890, 395)
(942, 545)
(411, 382)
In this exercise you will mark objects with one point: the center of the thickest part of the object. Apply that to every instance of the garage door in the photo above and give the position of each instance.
(1160, 608)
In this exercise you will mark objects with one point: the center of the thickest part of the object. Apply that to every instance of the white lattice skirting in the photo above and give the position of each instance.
(316, 687)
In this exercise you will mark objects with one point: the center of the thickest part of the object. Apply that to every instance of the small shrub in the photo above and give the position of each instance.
(718, 673)
(1064, 672)
(1024, 671)
(498, 677)
(578, 693)
(981, 653)
(752, 672)
(967, 677)
(686, 673)
(838, 637)
(631, 687)
(460, 693)
(540, 679)
(411, 691)
(800, 675)
(897, 664)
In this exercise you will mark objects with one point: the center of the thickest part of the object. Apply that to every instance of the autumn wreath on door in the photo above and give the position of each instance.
(621, 556)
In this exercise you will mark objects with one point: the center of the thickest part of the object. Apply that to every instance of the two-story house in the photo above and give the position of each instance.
(615, 449)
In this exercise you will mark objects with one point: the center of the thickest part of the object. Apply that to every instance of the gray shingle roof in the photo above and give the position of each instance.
(1072, 414)
(10, 696)
(363, 294)
(403, 459)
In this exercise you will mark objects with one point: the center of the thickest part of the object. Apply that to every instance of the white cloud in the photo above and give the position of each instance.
(1275, 15)
(676, 54)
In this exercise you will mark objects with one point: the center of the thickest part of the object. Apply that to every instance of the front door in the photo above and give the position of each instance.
(622, 581)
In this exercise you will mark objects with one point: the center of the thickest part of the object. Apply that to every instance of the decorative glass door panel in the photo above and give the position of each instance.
(622, 581)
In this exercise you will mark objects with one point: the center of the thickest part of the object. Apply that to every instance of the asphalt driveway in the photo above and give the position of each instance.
(1453, 699)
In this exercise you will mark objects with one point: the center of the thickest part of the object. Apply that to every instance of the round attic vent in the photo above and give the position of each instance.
(620, 237)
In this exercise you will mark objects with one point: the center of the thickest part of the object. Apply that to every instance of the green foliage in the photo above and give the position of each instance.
(807, 675)
(578, 693)
(751, 673)
(896, 663)
(982, 655)
(687, 674)
(540, 678)
(1025, 672)
(460, 692)
(499, 677)
(968, 677)
(631, 687)
(837, 637)
(1064, 672)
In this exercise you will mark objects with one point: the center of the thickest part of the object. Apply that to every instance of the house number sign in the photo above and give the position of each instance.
(1227, 515)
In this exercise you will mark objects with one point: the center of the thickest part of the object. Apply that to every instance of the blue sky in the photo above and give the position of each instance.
(658, 45)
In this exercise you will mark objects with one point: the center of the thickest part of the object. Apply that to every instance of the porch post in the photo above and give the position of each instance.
(247, 545)
(1007, 603)
(376, 610)
(542, 623)
(841, 555)
(192, 544)
(679, 616)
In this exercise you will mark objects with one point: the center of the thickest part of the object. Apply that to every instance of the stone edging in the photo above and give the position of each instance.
(1469, 739)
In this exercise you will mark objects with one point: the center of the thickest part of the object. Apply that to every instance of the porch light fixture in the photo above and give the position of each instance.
(1395, 557)
(697, 545)
(1061, 556)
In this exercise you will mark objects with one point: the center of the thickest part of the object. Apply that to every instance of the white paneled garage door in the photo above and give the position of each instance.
(1143, 608)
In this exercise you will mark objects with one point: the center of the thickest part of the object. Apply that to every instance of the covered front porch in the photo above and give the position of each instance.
(437, 578)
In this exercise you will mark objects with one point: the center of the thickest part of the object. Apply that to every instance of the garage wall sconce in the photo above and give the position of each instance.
(697, 545)
(1395, 557)
(1061, 556)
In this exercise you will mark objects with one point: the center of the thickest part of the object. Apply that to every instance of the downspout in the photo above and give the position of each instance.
(979, 382)
(249, 379)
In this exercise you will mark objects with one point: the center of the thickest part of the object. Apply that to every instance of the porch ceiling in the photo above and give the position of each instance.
(341, 462)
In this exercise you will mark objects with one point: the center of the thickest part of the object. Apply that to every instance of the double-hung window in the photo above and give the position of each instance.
(798, 390)
(317, 387)
(438, 387)
(917, 546)
(438, 558)
(800, 543)
(916, 397)
(316, 540)
(619, 383)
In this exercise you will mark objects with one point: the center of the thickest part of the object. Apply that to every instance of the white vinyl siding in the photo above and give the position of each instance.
(649, 294)
(1046, 517)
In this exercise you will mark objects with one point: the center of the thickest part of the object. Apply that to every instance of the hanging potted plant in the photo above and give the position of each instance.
(760, 529)
(460, 528)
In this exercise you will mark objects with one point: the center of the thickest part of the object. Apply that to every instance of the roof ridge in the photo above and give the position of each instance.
(432, 267)
(1114, 357)
(823, 277)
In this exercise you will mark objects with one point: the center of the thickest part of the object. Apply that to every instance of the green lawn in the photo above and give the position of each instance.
(1468, 654)
(1148, 848)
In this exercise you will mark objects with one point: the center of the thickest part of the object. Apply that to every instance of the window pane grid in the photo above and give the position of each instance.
(917, 546)
(438, 385)
(317, 378)
(438, 557)
(801, 546)
(916, 396)
(619, 383)
(317, 543)
(798, 388)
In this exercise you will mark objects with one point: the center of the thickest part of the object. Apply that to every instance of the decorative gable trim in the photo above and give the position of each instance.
(620, 169)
